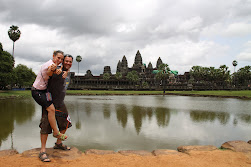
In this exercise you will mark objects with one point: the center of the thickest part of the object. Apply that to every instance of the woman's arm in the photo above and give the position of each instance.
(51, 69)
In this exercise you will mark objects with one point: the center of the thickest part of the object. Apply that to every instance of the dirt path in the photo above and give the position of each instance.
(217, 158)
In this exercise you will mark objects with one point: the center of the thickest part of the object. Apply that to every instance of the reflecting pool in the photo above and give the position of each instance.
(131, 122)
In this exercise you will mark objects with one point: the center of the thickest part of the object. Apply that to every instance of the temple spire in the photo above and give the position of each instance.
(137, 60)
(159, 62)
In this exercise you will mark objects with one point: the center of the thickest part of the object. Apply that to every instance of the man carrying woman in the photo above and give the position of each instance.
(42, 95)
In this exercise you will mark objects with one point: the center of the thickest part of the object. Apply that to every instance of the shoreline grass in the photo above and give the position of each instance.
(246, 94)
(112, 92)
(12, 93)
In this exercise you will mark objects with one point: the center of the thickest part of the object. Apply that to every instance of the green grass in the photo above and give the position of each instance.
(112, 92)
(11, 93)
(242, 93)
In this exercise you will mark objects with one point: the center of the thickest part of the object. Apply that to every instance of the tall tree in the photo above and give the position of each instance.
(225, 74)
(196, 72)
(235, 63)
(14, 34)
(163, 74)
(6, 69)
(243, 76)
(210, 75)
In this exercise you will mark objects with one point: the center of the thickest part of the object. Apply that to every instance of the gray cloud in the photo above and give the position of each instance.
(77, 17)
(103, 31)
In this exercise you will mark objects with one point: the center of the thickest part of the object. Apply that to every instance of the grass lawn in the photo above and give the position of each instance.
(242, 93)
(112, 92)
(10, 93)
(239, 93)
(27, 93)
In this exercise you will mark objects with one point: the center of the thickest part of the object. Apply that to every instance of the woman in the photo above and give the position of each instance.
(43, 97)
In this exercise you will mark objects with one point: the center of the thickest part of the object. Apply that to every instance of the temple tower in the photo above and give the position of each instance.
(124, 66)
(159, 62)
(119, 66)
(137, 60)
(150, 65)
(88, 74)
(107, 69)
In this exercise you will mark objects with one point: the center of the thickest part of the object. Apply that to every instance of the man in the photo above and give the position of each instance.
(57, 85)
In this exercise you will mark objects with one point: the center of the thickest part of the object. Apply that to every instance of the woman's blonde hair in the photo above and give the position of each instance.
(57, 52)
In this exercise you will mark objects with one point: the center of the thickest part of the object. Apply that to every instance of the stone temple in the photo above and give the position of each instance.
(145, 79)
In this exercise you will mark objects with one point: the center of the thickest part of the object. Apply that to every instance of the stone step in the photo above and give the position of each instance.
(238, 146)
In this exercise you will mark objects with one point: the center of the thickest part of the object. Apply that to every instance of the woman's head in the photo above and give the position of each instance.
(58, 57)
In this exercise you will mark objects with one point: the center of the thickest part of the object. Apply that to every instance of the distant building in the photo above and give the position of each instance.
(147, 77)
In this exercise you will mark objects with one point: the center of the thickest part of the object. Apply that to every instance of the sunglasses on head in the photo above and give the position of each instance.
(67, 55)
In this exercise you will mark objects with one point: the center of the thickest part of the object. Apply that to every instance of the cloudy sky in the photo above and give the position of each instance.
(183, 33)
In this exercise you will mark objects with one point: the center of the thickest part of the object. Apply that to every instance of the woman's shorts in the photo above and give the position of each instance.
(40, 97)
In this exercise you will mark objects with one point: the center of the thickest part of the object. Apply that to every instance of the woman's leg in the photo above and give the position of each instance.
(40, 98)
(52, 119)
(62, 132)
(59, 142)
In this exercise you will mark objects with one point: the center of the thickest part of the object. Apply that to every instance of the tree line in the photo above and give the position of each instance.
(207, 76)
(20, 76)
(221, 76)
(11, 76)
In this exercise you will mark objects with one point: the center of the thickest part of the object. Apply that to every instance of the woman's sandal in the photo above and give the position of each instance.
(63, 137)
(44, 158)
(61, 146)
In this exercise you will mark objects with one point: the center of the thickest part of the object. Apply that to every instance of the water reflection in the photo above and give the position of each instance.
(107, 111)
(14, 111)
(122, 114)
(149, 112)
(161, 111)
(204, 116)
(246, 118)
(139, 114)
(163, 116)
(132, 122)
(78, 123)
(88, 109)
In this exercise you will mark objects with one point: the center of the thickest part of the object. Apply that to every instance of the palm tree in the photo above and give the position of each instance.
(235, 63)
(14, 34)
(243, 76)
(78, 59)
(225, 74)
(163, 74)
(197, 73)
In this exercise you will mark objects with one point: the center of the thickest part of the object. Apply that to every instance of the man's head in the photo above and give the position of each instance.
(68, 59)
